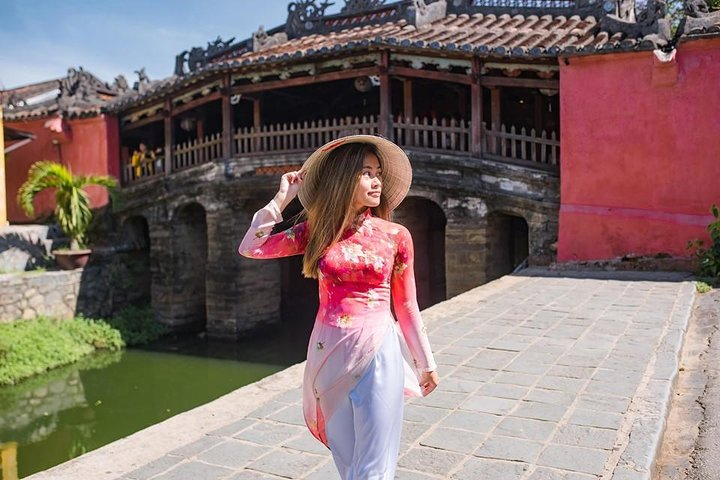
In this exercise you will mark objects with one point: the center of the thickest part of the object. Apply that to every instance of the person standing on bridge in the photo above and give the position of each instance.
(359, 364)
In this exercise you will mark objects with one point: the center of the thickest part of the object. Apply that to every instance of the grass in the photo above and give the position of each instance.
(31, 347)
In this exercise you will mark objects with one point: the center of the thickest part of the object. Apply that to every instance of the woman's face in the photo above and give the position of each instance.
(367, 192)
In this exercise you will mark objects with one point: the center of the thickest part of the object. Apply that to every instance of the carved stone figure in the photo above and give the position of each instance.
(302, 14)
(699, 17)
(263, 41)
(217, 46)
(143, 82)
(197, 58)
(355, 6)
(120, 84)
(180, 63)
(651, 24)
(421, 14)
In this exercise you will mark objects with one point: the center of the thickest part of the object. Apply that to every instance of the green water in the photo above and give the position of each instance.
(55, 417)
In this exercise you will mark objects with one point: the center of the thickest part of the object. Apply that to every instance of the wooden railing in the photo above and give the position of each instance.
(301, 136)
(195, 152)
(146, 169)
(501, 144)
(445, 135)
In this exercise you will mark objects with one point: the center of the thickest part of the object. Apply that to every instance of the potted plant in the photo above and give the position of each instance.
(72, 207)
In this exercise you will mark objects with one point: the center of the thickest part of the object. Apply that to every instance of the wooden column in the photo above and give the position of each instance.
(476, 109)
(227, 119)
(169, 136)
(3, 204)
(494, 117)
(385, 124)
(538, 111)
(256, 113)
(495, 107)
(407, 98)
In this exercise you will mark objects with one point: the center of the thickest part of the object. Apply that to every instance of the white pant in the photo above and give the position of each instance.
(364, 431)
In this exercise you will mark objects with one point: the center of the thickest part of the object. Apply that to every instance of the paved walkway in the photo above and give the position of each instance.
(543, 377)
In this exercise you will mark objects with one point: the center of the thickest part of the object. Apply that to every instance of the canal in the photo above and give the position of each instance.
(57, 416)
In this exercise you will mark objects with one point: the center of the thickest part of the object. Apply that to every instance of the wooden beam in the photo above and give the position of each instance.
(295, 82)
(385, 124)
(476, 108)
(407, 98)
(227, 119)
(196, 103)
(169, 136)
(430, 75)
(142, 122)
(519, 82)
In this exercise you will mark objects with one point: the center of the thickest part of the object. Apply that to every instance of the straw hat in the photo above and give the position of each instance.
(396, 176)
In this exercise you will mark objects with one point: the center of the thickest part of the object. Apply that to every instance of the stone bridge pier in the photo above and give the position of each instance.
(472, 221)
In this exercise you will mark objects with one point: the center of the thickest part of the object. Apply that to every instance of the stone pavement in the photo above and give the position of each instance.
(544, 375)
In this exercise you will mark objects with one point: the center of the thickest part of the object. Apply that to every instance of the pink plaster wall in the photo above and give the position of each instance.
(640, 143)
(91, 148)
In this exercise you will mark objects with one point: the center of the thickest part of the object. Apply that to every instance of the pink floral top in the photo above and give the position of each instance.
(359, 276)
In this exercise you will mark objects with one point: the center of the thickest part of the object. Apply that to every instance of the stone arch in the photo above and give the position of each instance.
(507, 243)
(299, 301)
(135, 250)
(426, 221)
(189, 265)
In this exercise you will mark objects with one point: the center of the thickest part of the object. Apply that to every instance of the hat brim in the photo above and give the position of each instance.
(396, 176)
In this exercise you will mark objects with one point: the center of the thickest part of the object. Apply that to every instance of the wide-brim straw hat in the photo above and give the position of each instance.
(396, 169)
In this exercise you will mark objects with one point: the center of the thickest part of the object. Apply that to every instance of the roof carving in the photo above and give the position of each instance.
(699, 19)
(79, 93)
(650, 26)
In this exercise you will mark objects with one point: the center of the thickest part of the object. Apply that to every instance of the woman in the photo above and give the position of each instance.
(357, 368)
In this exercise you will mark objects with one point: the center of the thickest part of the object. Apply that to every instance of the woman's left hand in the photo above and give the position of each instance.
(428, 382)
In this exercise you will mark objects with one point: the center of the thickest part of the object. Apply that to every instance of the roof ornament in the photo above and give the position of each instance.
(356, 6)
(263, 41)
(651, 24)
(198, 57)
(143, 82)
(698, 17)
(421, 14)
(120, 84)
(15, 101)
(302, 16)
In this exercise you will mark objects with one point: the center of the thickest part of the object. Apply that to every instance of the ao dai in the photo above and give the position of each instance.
(359, 276)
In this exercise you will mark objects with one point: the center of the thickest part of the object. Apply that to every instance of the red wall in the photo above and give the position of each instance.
(640, 143)
(92, 148)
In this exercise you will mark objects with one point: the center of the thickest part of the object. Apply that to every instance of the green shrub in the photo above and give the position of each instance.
(137, 326)
(709, 258)
(30, 347)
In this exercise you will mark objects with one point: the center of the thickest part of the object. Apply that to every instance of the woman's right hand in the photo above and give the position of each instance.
(289, 187)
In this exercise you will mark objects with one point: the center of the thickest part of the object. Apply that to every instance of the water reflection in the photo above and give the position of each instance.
(64, 413)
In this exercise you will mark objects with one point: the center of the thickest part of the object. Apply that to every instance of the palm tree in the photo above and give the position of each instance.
(72, 207)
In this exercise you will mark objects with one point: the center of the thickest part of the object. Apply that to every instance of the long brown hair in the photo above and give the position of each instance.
(331, 212)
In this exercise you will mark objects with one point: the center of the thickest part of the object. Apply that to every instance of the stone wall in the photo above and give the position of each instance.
(449, 211)
(111, 281)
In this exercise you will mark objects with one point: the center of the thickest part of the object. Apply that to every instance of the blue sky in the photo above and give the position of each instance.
(41, 39)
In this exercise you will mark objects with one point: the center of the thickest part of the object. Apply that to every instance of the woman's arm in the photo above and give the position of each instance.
(259, 243)
(404, 296)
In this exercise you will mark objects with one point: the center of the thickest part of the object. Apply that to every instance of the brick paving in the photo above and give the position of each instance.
(544, 376)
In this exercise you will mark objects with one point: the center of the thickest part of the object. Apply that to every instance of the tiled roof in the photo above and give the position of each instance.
(80, 94)
(483, 34)
(491, 35)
